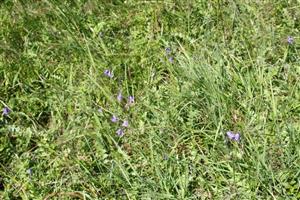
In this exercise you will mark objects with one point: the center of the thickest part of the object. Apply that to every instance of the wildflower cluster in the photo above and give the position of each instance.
(123, 124)
(169, 54)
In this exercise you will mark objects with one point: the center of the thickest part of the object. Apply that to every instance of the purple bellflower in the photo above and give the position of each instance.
(233, 136)
(290, 40)
(6, 111)
(120, 132)
(108, 73)
(125, 123)
(131, 100)
(168, 50)
(114, 119)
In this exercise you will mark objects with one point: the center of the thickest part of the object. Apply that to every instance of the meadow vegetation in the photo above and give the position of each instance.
(175, 99)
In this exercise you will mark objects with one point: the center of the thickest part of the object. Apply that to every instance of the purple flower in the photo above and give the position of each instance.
(119, 97)
(6, 111)
(108, 73)
(120, 132)
(233, 136)
(168, 50)
(130, 99)
(171, 59)
(114, 119)
(290, 40)
(125, 123)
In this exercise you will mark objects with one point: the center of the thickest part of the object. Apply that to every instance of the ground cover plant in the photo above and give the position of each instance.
(135, 99)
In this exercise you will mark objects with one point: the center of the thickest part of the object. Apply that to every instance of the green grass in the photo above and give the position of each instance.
(232, 70)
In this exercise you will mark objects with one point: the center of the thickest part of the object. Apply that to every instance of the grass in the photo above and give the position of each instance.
(196, 69)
